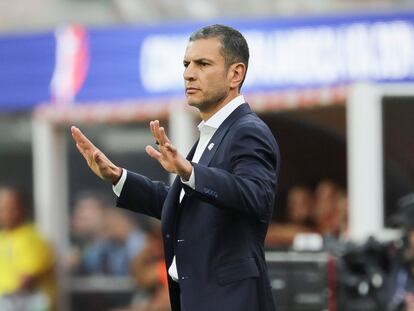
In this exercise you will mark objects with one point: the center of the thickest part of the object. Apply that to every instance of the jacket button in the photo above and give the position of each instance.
(167, 236)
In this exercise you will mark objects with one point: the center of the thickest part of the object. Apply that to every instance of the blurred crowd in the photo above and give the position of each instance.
(113, 242)
(321, 211)
(108, 241)
(105, 241)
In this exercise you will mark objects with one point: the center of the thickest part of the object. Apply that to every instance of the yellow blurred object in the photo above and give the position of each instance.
(25, 254)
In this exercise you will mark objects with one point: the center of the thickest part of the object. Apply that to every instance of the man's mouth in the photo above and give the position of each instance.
(191, 90)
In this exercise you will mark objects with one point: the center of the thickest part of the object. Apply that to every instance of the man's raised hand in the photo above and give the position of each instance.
(95, 158)
(167, 155)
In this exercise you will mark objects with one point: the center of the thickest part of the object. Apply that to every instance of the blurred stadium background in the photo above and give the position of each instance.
(333, 79)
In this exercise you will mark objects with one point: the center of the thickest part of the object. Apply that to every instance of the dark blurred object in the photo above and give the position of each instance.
(100, 292)
(313, 148)
(380, 276)
(398, 149)
(404, 217)
(401, 283)
(362, 276)
(344, 277)
(302, 281)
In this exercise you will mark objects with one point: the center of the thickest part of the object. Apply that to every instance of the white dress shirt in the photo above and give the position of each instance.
(207, 129)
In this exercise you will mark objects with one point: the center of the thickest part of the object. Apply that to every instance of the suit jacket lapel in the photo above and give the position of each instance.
(218, 136)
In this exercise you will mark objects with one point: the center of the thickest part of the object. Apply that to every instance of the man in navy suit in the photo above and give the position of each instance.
(216, 213)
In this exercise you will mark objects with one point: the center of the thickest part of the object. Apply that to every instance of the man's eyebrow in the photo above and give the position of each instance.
(199, 60)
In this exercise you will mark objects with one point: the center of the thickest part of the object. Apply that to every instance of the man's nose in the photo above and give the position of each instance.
(189, 73)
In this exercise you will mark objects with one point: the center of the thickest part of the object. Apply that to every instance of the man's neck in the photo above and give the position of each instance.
(205, 115)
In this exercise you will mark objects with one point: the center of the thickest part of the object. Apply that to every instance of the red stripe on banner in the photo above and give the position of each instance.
(332, 304)
(81, 62)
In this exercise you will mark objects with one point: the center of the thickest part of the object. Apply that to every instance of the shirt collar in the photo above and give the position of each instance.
(218, 118)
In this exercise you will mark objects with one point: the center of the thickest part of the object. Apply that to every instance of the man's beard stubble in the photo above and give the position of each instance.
(208, 104)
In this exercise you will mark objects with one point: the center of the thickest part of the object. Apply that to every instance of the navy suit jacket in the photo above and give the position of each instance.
(217, 232)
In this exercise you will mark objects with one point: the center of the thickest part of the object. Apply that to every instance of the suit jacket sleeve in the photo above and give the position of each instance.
(249, 185)
(141, 194)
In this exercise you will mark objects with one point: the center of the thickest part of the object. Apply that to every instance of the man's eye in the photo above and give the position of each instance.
(186, 65)
(203, 64)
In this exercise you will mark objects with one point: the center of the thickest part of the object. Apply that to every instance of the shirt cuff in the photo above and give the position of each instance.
(117, 189)
(191, 182)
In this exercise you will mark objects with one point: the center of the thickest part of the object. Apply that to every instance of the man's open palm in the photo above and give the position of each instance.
(95, 158)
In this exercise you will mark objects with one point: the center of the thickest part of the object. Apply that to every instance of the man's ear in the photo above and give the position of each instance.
(237, 72)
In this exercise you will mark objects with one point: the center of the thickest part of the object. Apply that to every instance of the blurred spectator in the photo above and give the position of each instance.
(26, 261)
(330, 215)
(125, 240)
(340, 219)
(105, 239)
(300, 205)
(150, 274)
(324, 212)
(87, 254)
(326, 194)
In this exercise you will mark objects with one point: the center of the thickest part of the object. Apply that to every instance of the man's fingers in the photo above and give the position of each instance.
(77, 134)
(157, 131)
(81, 139)
(98, 157)
(84, 145)
(163, 136)
(152, 130)
(171, 148)
(152, 152)
(82, 152)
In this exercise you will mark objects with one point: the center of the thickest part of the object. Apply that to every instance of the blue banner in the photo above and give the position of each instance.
(26, 67)
(82, 66)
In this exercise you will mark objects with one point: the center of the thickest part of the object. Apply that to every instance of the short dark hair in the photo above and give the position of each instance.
(234, 46)
(19, 194)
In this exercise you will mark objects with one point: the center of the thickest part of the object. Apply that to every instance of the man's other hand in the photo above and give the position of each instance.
(167, 155)
(95, 158)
